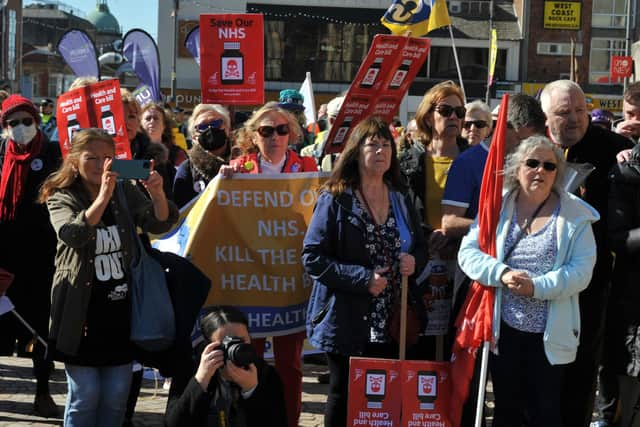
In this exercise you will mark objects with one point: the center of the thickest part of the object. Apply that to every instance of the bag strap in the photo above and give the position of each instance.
(137, 243)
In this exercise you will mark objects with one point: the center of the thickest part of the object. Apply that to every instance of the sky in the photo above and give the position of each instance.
(130, 14)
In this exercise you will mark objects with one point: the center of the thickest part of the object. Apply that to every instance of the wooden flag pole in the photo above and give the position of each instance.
(404, 292)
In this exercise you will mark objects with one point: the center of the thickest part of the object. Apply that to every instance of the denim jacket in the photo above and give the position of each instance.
(334, 256)
(75, 271)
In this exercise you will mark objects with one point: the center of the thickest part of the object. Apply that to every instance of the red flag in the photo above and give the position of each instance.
(474, 322)
(6, 278)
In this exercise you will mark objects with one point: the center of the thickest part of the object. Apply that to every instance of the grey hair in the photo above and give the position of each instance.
(515, 160)
(564, 85)
(203, 108)
(525, 111)
(480, 106)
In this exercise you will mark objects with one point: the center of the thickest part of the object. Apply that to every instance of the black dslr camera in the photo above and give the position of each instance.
(238, 351)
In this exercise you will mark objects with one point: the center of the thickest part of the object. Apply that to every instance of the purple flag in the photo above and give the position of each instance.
(79, 52)
(141, 51)
(192, 43)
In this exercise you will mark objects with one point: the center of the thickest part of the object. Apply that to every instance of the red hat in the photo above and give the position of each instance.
(18, 103)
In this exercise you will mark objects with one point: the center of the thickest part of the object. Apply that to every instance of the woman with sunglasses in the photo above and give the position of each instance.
(545, 256)
(209, 127)
(477, 122)
(28, 240)
(264, 141)
(95, 219)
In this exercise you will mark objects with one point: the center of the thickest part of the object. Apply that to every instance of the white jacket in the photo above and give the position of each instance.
(570, 274)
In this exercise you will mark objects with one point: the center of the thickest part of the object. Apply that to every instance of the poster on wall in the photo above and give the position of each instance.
(98, 105)
(232, 59)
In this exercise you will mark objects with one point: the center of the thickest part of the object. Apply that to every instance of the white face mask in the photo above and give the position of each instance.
(22, 134)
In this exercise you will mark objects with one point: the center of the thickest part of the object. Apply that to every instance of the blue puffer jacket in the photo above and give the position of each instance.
(334, 255)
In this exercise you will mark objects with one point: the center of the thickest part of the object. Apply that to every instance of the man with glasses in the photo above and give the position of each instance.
(563, 103)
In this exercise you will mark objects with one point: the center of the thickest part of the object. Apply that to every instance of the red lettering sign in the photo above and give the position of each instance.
(98, 105)
(621, 67)
(232, 59)
(380, 84)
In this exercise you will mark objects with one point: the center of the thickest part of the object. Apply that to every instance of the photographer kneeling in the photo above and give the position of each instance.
(231, 386)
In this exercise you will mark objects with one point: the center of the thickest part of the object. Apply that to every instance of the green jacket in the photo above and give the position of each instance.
(75, 253)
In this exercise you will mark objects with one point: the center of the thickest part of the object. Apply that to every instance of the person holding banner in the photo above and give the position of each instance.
(237, 395)
(28, 240)
(545, 257)
(209, 127)
(363, 236)
(90, 309)
(265, 140)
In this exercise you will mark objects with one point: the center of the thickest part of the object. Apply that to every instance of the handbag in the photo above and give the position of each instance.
(153, 326)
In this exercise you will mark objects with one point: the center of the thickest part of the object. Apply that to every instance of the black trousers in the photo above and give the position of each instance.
(335, 411)
(525, 382)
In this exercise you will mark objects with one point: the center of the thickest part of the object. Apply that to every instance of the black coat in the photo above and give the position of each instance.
(623, 321)
(188, 403)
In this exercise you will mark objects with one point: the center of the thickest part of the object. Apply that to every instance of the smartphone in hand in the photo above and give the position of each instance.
(131, 169)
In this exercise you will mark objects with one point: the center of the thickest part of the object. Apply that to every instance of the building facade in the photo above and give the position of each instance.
(10, 44)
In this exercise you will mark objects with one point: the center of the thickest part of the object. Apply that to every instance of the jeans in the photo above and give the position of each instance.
(97, 396)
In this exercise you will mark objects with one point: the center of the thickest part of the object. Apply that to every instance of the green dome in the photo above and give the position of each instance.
(103, 20)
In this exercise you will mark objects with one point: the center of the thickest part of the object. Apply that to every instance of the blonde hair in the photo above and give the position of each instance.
(203, 108)
(67, 173)
(244, 136)
(82, 82)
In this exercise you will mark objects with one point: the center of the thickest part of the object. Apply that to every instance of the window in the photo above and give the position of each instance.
(332, 51)
(560, 49)
(600, 59)
(473, 63)
(610, 13)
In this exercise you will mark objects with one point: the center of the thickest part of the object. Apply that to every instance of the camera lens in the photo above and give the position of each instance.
(238, 352)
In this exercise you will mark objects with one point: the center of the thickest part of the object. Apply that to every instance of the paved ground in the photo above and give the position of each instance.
(17, 391)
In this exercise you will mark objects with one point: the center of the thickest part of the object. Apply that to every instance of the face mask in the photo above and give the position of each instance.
(212, 139)
(22, 134)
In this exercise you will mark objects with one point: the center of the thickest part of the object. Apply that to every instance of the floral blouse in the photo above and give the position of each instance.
(383, 244)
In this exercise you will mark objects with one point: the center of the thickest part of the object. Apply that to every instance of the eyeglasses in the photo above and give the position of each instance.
(445, 110)
(480, 124)
(375, 146)
(267, 131)
(535, 164)
(27, 121)
(214, 124)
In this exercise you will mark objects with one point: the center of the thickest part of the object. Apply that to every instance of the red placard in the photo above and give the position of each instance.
(380, 84)
(98, 105)
(374, 392)
(232, 59)
(426, 391)
(621, 67)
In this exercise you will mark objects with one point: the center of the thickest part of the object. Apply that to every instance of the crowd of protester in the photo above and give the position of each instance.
(391, 207)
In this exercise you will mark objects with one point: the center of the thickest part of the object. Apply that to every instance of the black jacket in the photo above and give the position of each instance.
(623, 322)
(189, 405)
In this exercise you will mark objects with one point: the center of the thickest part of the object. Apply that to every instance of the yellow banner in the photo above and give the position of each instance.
(562, 15)
(246, 235)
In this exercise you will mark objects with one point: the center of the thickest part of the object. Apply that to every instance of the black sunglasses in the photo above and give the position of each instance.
(214, 124)
(480, 124)
(445, 110)
(535, 164)
(27, 121)
(267, 131)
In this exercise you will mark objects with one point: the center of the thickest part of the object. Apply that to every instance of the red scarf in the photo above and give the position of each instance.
(14, 176)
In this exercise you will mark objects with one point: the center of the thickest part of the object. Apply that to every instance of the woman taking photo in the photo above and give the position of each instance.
(90, 309)
(545, 256)
(245, 395)
(363, 236)
(264, 140)
(209, 127)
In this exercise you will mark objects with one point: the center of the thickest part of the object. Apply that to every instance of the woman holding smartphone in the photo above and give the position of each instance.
(90, 312)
